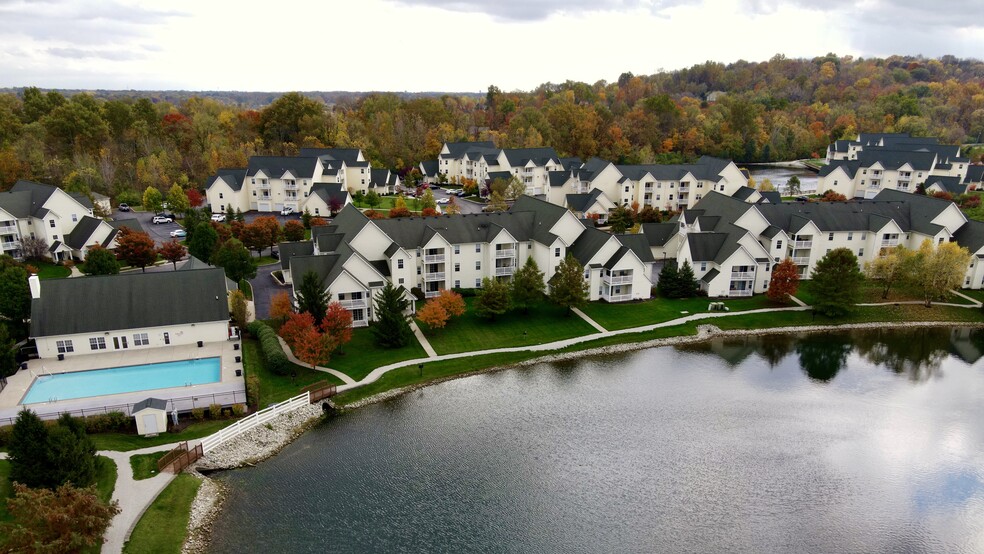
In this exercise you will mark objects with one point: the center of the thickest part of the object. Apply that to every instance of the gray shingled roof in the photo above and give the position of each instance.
(82, 232)
(459, 149)
(583, 202)
(152, 403)
(975, 174)
(949, 184)
(658, 234)
(519, 157)
(232, 177)
(129, 301)
(743, 193)
(971, 235)
(429, 168)
(327, 191)
(348, 155)
(288, 250)
(275, 166)
(638, 243)
(588, 244)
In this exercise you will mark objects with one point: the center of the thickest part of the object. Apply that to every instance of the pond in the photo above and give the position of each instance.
(836, 442)
(779, 176)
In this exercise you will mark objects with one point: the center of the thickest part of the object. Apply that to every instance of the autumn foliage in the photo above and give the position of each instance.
(439, 310)
(281, 306)
(784, 281)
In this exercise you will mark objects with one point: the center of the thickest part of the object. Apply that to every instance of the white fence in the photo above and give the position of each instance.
(250, 421)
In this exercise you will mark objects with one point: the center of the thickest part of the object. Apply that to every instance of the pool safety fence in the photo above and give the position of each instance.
(181, 405)
(258, 418)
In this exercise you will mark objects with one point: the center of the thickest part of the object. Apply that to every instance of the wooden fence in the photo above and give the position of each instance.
(179, 458)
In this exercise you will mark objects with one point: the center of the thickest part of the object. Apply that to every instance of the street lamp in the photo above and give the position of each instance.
(420, 367)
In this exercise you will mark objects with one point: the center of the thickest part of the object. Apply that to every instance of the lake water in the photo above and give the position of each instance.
(839, 442)
(779, 176)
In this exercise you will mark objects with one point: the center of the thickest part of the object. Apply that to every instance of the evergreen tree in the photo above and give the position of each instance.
(620, 219)
(73, 454)
(237, 262)
(8, 357)
(687, 286)
(392, 326)
(528, 287)
(230, 214)
(668, 285)
(567, 286)
(203, 242)
(192, 218)
(29, 451)
(836, 282)
(239, 216)
(312, 297)
(493, 299)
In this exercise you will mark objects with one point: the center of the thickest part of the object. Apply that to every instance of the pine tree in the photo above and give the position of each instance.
(493, 299)
(392, 326)
(29, 451)
(73, 454)
(567, 286)
(668, 285)
(527, 285)
(687, 286)
(836, 282)
(312, 297)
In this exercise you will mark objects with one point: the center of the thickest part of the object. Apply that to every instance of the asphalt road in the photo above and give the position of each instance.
(264, 288)
(467, 206)
(160, 233)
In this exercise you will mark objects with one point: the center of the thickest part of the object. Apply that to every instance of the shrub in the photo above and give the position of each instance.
(109, 422)
(253, 390)
(198, 414)
(467, 293)
(215, 411)
(238, 409)
(5, 432)
(273, 353)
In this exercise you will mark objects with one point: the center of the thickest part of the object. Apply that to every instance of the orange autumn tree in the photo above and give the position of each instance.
(338, 325)
(452, 302)
(433, 314)
(296, 325)
(311, 346)
(281, 306)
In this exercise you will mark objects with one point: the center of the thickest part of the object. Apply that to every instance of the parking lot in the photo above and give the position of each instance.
(161, 233)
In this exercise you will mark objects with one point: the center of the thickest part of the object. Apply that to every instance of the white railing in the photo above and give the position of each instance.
(10, 245)
(746, 292)
(505, 270)
(890, 243)
(804, 260)
(803, 244)
(8, 229)
(438, 276)
(618, 279)
(741, 275)
(431, 293)
(355, 303)
(505, 253)
(616, 297)
(360, 323)
(684, 189)
(434, 259)
(258, 418)
(288, 186)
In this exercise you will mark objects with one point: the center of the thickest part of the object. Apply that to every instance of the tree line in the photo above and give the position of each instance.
(775, 110)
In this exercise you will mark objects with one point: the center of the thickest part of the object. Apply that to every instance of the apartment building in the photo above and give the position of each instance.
(482, 161)
(272, 183)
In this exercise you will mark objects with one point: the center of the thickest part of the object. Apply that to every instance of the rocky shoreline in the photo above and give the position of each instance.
(266, 440)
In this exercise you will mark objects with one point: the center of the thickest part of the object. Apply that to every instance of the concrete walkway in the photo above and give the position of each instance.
(134, 496)
(797, 300)
(590, 321)
(423, 340)
(290, 356)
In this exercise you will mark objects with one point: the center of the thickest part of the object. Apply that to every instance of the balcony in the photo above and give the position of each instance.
(505, 270)
(803, 244)
(353, 304)
(431, 293)
(434, 258)
(742, 275)
(889, 243)
(617, 279)
(360, 323)
(802, 260)
(616, 297)
(735, 292)
(436, 276)
(8, 229)
(684, 189)
(290, 186)
(10, 245)
(505, 253)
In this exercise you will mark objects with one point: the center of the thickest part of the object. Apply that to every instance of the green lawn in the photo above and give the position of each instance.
(145, 465)
(48, 270)
(977, 294)
(385, 203)
(362, 355)
(246, 289)
(435, 370)
(105, 483)
(163, 527)
(544, 323)
(658, 310)
(277, 388)
(6, 489)
(266, 260)
(124, 442)
(871, 292)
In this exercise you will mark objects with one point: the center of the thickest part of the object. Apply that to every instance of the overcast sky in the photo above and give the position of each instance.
(446, 45)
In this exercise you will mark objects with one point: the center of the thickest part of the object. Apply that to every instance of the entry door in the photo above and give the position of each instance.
(167, 338)
(150, 424)
(117, 341)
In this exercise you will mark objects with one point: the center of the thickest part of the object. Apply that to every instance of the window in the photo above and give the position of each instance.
(457, 249)
(97, 343)
(457, 284)
(850, 236)
(671, 197)
(830, 236)
(140, 339)
(457, 266)
(222, 207)
(478, 265)
(703, 266)
(317, 211)
(220, 195)
(940, 241)
(65, 346)
(778, 245)
(626, 188)
(556, 252)
(254, 193)
(51, 223)
(75, 218)
(401, 280)
(864, 236)
(399, 264)
(478, 283)
(860, 252)
(478, 248)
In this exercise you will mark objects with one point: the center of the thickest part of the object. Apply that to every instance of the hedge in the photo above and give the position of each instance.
(273, 353)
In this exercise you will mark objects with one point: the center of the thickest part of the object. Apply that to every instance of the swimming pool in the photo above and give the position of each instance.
(116, 380)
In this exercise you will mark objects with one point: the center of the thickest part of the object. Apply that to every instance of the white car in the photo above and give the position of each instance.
(443, 200)
(287, 211)
(218, 217)
(162, 219)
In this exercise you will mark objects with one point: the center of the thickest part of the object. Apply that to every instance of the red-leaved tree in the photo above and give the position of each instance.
(281, 306)
(784, 281)
(337, 324)
(173, 251)
(294, 230)
(195, 198)
(135, 248)
(296, 325)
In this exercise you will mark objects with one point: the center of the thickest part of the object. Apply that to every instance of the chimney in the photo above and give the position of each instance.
(35, 284)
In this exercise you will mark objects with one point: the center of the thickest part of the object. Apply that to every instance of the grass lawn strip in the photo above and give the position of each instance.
(48, 270)
(657, 310)
(145, 465)
(124, 442)
(363, 355)
(277, 388)
(163, 527)
(544, 323)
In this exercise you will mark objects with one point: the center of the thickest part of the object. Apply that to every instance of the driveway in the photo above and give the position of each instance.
(161, 233)
(467, 206)
(264, 288)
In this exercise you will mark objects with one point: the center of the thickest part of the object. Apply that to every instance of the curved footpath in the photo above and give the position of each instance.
(136, 496)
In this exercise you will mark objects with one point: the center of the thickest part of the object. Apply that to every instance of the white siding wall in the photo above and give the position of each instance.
(178, 334)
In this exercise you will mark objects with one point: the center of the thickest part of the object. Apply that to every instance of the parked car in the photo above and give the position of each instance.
(124, 207)
(443, 200)
(179, 233)
(435, 186)
(287, 210)
(218, 217)
(162, 219)
(460, 194)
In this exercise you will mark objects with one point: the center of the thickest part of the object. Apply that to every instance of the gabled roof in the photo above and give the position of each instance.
(458, 149)
(558, 178)
(637, 243)
(275, 166)
(520, 157)
(232, 177)
(129, 301)
(348, 155)
(429, 168)
(707, 168)
(975, 174)
(290, 249)
(948, 184)
(329, 191)
(27, 198)
(710, 275)
(770, 197)
(583, 202)
(743, 193)
(82, 233)
(658, 234)
(706, 247)
(588, 244)
(971, 235)
(152, 403)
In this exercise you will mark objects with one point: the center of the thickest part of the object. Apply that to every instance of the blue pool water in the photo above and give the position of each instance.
(116, 380)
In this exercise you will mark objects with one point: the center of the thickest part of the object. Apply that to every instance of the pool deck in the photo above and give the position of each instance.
(229, 390)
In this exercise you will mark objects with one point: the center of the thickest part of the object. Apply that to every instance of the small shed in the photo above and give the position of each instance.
(151, 416)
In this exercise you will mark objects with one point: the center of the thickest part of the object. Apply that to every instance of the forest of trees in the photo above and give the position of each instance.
(776, 110)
